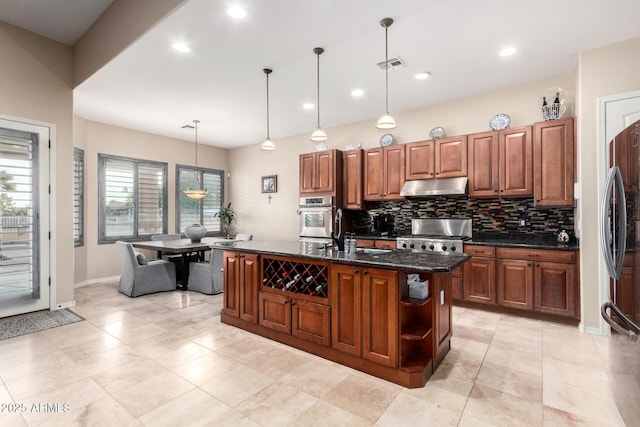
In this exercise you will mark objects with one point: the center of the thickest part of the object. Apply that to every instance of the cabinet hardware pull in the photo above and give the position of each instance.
(356, 271)
(365, 272)
(529, 265)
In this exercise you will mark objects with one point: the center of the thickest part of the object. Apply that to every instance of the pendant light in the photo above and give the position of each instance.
(267, 145)
(386, 121)
(318, 135)
(199, 192)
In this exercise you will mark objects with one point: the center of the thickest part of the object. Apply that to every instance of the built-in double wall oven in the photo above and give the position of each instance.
(315, 219)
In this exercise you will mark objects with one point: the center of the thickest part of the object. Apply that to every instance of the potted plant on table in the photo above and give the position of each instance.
(227, 216)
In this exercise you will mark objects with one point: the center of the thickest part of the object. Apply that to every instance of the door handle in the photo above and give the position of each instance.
(632, 328)
(613, 261)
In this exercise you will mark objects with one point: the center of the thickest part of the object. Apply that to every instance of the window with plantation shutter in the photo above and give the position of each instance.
(133, 198)
(190, 211)
(78, 197)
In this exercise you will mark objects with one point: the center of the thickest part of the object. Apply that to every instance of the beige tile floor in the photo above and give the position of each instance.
(166, 360)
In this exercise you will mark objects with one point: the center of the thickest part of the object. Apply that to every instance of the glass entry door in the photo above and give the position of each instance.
(24, 217)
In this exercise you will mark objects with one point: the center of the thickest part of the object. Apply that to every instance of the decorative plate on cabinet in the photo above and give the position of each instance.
(386, 140)
(499, 121)
(436, 133)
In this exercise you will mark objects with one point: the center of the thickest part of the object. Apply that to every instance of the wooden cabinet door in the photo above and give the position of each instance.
(249, 283)
(420, 160)
(394, 172)
(311, 321)
(325, 171)
(456, 283)
(483, 164)
(554, 162)
(380, 316)
(275, 312)
(231, 261)
(373, 174)
(352, 179)
(307, 173)
(451, 157)
(442, 300)
(516, 162)
(555, 288)
(479, 280)
(515, 283)
(345, 292)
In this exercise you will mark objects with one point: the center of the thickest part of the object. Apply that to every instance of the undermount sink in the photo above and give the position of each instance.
(372, 251)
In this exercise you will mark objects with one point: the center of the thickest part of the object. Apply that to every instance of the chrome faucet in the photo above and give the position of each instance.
(339, 239)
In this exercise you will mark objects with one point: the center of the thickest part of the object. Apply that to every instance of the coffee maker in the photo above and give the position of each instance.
(382, 224)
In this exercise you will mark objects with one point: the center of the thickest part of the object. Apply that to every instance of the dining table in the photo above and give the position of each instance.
(185, 248)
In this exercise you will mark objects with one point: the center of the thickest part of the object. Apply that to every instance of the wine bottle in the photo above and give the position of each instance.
(557, 100)
(545, 109)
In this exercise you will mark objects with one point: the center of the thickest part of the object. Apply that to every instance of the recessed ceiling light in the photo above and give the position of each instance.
(308, 106)
(236, 12)
(181, 47)
(423, 75)
(357, 92)
(508, 51)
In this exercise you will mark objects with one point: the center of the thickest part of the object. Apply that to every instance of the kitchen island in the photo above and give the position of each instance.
(352, 309)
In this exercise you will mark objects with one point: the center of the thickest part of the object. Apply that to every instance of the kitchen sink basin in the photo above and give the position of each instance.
(372, 251)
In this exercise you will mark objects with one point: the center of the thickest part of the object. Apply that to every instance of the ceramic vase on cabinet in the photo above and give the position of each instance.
(195, 232)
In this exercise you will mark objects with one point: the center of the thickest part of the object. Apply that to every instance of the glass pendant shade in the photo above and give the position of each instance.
(199, 192)
(386, 122)
(195, 194)
(267, 145)
(318, 135)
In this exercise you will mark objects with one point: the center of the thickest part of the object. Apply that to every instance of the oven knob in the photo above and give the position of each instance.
(412, 246)
(404, 245)
(423, 247)
(432, 247)
(444, 248)
(453, 248)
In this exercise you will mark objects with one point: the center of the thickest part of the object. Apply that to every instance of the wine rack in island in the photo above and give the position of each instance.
(294, 298)
(297, 277)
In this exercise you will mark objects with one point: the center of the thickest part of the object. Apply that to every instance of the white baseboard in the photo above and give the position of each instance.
(593, 331)
(99, 280)
(62, 305)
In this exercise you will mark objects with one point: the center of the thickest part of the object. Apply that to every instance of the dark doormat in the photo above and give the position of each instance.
(34, 322)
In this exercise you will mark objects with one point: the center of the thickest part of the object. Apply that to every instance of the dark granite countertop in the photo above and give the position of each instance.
(522, 240)
(392, 259)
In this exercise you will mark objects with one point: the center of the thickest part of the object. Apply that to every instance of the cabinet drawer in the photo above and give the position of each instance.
(366, 243)
(386, 244)
(486, 251)
(568, 257)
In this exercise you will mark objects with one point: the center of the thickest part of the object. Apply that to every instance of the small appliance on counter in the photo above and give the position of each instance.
(382, 225)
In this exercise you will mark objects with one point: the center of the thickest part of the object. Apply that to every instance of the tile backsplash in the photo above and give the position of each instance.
(488, 215)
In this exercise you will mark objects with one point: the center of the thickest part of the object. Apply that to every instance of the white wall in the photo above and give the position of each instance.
(278, 219)
(35, 83)
(95, 261)
(604, 71)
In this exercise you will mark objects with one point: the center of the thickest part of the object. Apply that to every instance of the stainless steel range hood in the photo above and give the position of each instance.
(434, 187)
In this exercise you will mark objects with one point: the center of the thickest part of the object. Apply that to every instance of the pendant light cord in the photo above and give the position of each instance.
(386, 67)
(196, 122)
(267, 73)
(318, 84)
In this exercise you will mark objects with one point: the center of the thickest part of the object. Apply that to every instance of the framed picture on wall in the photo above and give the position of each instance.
(270, 184)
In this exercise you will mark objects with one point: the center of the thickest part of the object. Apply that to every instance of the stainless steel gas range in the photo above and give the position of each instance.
(436, 235)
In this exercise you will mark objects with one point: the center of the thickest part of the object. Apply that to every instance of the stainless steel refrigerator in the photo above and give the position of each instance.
(620, 238)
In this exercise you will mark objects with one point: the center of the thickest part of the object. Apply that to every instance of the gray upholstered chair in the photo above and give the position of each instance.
(140, 279)
(206, 277)
(241, 236)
